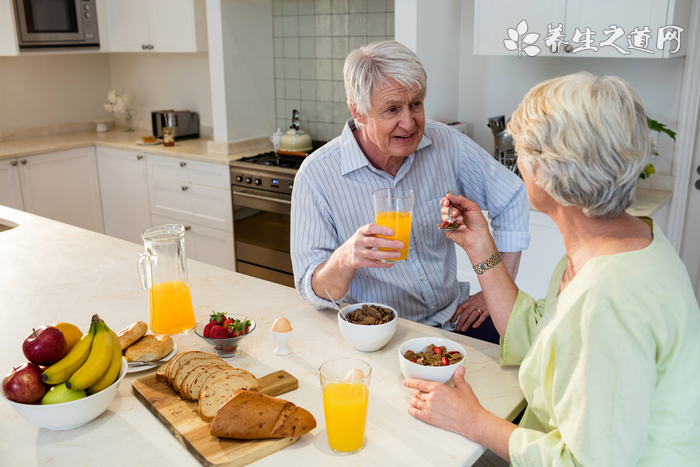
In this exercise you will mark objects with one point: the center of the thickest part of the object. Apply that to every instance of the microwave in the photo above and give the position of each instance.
(56, 23)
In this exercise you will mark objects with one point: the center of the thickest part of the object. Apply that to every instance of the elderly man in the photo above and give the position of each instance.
(389, 144)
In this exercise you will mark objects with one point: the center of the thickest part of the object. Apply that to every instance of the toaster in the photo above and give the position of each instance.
(185, 124)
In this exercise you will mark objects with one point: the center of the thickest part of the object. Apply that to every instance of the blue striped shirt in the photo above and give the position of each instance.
(332, 198)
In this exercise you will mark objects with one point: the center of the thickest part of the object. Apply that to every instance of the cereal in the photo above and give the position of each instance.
(370, 315)
(434, 356)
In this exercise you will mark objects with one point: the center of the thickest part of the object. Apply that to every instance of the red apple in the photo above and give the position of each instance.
(44, 346)
(24, 384)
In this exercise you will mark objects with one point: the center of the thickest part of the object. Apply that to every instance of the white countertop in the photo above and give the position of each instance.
(53, 272)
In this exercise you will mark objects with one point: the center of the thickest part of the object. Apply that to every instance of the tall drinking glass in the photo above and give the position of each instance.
(163, 272)
(393, 208)
(345, 384)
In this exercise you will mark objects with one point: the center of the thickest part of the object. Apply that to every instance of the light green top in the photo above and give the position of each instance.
(610, 368)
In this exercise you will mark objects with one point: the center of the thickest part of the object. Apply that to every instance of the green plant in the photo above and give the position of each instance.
(661, 128)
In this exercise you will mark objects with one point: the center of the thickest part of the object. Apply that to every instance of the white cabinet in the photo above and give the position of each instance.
(8, 29)
(493, 18)
(63, 186)
(124, 190)
(156, 26)
(10, 189)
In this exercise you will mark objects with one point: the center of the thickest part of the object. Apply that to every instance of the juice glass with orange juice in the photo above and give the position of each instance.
(345, 385)
(163, 272)
(393, 208)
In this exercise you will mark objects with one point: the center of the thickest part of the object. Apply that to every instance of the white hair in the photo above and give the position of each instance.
(369, 67)
(585, 139)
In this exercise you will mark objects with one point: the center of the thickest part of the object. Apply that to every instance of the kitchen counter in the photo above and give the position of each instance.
(55, 272)
(192, 149)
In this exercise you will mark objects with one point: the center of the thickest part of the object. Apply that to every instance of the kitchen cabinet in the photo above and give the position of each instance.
(493, 18)
(63, 186)
(156, 26)
(124, 191)
(10, 189)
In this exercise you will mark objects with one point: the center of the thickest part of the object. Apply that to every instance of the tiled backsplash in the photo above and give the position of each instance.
(311, 40)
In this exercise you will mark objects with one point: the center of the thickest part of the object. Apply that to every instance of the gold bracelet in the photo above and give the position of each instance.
(488, 264)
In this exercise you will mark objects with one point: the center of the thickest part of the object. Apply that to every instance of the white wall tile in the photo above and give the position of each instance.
(340, 47)
(324, 111)
(291, 68)
(323, 7)
(371, 39)
(281, 108)
(291, 106)
(307, 47)
(279, 68)
(306, 7)
(324, 91)
(290, 7)
(357, 42)
(311, 129)
(325, 131)
(292, 89)
(278, 47)
(307, 26)
(339, 6)
(338, 129)
(357, 6)
(357, 24)
(279, 88)
(390, 5)
(337, 71)
(341, 113)
(278, 27)
(308, 111)
(376, 5)
(291, 47)
(323, 68)
(323, 25)
(390, 25)
(324, 47)
(291, 26)
(376, 24)
(308, 92)
(339, 25)
(307, 68)
(339, 94)
(276, 7)
(282, 124)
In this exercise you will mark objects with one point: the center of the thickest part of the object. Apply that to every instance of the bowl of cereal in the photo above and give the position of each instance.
(430, 358)
(368, 326)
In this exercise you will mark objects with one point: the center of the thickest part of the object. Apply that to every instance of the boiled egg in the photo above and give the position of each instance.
(355, 375)
(281, 325)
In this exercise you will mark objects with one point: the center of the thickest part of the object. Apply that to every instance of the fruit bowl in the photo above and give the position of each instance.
(224, 347)
(72, 414)
(438, 374)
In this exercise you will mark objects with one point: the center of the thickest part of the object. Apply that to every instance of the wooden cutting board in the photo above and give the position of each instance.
(180, 417)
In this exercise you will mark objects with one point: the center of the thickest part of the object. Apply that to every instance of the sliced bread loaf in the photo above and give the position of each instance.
(196, 382)
(192, 363)
(252, 380)
(160, 372)
(215, 394)
(193, 373)
(184, 358)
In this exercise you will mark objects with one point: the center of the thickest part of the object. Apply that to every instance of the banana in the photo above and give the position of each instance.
(110, 376)
(98, 361)
(62, 370)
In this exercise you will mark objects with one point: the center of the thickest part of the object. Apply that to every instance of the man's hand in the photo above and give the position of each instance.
(471, 313)
(357, 252)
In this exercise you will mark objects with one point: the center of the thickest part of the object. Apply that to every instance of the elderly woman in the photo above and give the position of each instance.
(610, 359)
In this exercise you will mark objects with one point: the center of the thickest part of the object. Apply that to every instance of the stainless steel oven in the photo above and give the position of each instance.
(56, 23)
(262, 202)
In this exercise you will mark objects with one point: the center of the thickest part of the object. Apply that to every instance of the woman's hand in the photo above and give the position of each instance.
(474, 230)
(454, 409)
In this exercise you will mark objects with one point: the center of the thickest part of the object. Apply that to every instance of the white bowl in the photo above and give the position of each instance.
(69, 414)
(438, 374)
(367, 338)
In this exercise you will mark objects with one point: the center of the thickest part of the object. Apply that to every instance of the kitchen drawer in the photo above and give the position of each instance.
(189, 202)
(202, 173)
(211, 246)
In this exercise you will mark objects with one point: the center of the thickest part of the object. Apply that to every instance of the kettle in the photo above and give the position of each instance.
(295, 139)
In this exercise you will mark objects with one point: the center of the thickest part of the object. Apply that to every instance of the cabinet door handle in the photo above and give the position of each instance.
(183, 164)
(13, 163)
(144, 46)
(188, 227)
(139, 157)
(184, 187)
(23, 162)
(568, 48)
(150, 46)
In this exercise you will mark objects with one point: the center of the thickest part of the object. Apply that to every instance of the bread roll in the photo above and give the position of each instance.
(251, 415)
(150, 348)
(215, 394)
(133, 333)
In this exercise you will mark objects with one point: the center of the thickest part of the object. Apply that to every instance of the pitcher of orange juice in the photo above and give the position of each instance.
(163, 272)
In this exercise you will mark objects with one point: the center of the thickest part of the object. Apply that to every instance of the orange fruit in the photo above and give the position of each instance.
(70, 332)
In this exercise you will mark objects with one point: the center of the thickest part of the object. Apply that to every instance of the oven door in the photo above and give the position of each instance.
(49, 21)
(261, 226)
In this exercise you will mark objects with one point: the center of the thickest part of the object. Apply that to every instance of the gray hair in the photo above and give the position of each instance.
(585, 139)
(372, 65)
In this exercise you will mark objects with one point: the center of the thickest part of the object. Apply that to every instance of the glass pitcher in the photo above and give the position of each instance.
(163, 272)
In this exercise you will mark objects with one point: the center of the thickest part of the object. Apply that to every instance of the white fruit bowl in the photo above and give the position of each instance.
(438, 374)
(367, 338)
(69, 414)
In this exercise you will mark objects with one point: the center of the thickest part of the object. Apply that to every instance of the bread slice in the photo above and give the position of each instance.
(191, 391)
(160, 372)
(189, 365)
(194, 372)
(215, 394)
(228, 372)
(250, 415)
(184, 358)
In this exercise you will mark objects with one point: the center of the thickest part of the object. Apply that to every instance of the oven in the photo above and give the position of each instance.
(56, 23)
(261, 188)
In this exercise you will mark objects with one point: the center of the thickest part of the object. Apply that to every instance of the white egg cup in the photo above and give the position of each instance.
(282, 339)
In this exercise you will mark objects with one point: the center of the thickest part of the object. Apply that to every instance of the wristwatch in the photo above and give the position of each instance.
(488, 264)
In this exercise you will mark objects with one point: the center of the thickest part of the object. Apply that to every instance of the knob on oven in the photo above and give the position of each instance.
(239, 178)
(290, 186)
(258, 181)
(248, 180)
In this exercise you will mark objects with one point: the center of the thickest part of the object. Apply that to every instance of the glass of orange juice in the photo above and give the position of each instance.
(345, 385)
(393, 208)
(163, 272)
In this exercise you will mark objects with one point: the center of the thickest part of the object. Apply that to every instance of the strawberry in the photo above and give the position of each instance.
(227, 322)
(445, 224)
(217, 317)
(218, 332)
(414, 360)
(247, 328)
(437, 350)
(207, 328)
(444, 361)
(454, 352)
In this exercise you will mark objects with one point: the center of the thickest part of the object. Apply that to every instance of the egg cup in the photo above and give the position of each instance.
(282, 338)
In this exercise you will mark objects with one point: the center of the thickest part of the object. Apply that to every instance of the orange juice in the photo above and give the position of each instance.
(170, 307)
(345, 408)
(400, 223)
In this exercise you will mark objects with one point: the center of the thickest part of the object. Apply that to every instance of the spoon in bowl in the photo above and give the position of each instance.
(335, 305)
(449, 225)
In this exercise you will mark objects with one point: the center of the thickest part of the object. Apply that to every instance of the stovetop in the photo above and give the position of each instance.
(274, 160)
